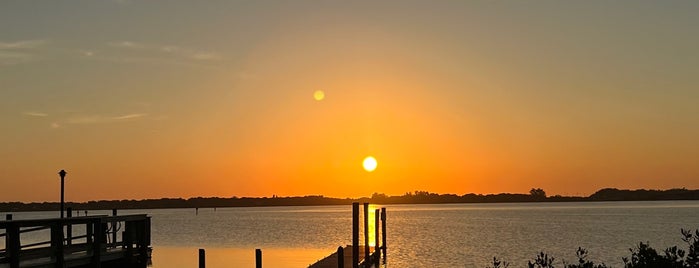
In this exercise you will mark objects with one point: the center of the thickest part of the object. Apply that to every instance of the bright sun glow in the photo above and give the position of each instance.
(319, 95)
(369, 163)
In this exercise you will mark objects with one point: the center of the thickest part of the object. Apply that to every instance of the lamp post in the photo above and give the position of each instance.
(62, 173)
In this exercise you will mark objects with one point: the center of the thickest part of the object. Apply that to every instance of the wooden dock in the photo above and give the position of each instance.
(333, 261)
(355, 255)
(98, 241)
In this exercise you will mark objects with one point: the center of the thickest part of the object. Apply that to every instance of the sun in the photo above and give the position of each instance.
(369, 163)
(319, 95)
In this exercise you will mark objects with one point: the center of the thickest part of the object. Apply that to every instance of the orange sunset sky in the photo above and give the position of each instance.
(148, 99)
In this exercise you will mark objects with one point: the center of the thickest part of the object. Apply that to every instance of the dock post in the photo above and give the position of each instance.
(340, 257)
(366, 233)
(114, 230)
(8, 217)
(202, 258)
(377, 214)
(355, 235)
(12, 243)
(383, 233)
(69, 228)
(98, 238)
(57, 244)
(258, 258)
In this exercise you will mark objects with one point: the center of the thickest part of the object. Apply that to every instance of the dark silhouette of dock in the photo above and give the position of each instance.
(356, 255)
(333, 261)
(103, 241)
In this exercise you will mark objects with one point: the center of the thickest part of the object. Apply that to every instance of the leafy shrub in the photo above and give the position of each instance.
(642, 256)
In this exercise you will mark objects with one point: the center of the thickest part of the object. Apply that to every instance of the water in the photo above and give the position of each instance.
(451, 235)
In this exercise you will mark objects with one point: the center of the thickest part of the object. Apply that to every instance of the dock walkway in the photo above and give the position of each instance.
(332, 260)
(103, 241)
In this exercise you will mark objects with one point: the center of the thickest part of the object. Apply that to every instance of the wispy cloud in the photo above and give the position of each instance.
(128, 116)
(95, 119)
(168, 50)
(11, 57)
(19, 51)
(36, 114)
(22, 44)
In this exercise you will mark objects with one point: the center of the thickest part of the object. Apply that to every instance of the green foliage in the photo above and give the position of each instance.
(692, 240)
(498, 263)
(642, 256)
(542, 261)
(581, 253)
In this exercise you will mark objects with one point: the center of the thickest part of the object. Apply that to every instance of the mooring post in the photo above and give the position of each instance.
(98, 239)
(8, 217)
(366, 233)
(355, 235)
(340, 257)
(12, 243)
(69, 228)
(383, 233)
(202, 258)
(258, 258)
(377, 248)
(57, 243)
(114, 229)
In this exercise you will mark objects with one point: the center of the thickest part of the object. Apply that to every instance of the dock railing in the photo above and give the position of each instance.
(101, 237)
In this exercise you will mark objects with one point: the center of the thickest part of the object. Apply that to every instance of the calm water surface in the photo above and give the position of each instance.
(454, 235)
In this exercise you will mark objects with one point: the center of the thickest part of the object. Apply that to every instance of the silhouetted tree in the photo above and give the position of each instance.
(537, 193)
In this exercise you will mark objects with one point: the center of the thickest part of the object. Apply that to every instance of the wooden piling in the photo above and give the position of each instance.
(69, 228)
(57, 244)
(258, 258)
(340, 257)
(366, 232)
(202, 258)
(8, 217)
(12, 244)
(377, 214)
(355, 235)
(114, 227)
(98, 239)
(383, 233)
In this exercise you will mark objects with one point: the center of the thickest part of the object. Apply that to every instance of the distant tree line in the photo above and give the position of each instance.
(416, 197)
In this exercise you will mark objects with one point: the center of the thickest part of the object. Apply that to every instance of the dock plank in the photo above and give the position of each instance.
(332, 262)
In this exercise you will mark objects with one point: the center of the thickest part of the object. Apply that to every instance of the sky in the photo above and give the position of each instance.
(149, 99)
